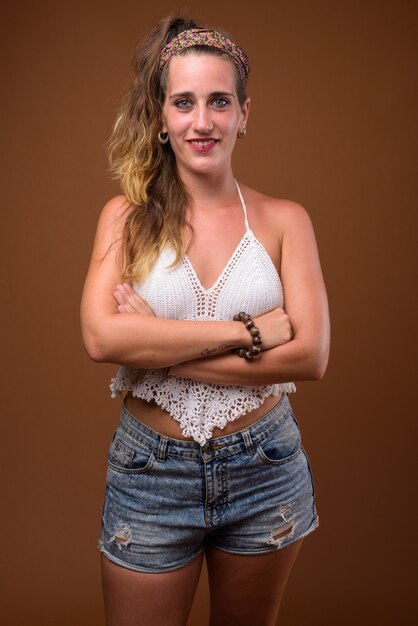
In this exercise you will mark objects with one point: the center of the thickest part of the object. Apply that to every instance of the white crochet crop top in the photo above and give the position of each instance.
(249, 282)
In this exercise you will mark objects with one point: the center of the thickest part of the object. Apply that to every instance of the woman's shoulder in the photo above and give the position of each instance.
(114, 213)
(268, 209)
(111, 222)
(116, 208)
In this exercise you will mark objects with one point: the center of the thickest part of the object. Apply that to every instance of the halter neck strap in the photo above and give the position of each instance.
(243, 206)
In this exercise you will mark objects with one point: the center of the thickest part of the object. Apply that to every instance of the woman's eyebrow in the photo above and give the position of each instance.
(219, 94)
(182, 94)
(190, 94)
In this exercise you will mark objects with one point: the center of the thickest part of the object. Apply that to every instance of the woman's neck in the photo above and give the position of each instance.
(210, 190)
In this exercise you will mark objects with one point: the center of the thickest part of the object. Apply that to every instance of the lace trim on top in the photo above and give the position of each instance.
(197, 407)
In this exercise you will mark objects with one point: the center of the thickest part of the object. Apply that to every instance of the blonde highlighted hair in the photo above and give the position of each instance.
(147, 169)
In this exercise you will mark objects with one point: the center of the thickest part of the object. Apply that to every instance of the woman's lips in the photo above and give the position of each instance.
(202, 145)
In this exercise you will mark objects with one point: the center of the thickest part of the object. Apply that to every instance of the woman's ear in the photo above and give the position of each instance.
(163, 124)
(246, 110)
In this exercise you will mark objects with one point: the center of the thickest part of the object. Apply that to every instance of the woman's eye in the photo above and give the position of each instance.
(220, 103)
(183, 104)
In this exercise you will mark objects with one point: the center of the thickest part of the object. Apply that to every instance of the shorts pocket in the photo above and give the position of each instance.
(283, 444)
(129, 459)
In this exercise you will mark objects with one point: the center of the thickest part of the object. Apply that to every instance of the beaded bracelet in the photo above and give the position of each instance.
(249, 353)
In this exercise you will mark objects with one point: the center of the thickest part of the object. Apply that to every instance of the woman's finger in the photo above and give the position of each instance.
(131, 301)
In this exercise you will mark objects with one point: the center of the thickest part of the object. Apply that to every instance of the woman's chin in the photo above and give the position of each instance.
(203, 165)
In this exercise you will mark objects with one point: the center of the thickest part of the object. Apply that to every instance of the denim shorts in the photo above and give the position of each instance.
(167, 500)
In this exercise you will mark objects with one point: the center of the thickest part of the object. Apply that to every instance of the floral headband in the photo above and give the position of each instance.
(210, 38)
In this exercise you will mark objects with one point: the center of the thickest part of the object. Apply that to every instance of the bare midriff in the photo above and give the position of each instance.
(159, 420)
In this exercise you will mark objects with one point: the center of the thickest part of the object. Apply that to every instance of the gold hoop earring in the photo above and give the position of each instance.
(163, 137)
(241, 134)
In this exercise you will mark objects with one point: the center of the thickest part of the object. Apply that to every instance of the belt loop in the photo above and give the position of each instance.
(248, 442)
(161, 450)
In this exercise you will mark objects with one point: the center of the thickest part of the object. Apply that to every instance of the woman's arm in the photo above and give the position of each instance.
(139, 339)
(282, 364)
(305, 357)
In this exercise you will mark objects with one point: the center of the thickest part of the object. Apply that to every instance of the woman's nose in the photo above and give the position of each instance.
(202, 121)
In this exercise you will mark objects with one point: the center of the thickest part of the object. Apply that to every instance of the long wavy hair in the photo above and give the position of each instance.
(147, 169)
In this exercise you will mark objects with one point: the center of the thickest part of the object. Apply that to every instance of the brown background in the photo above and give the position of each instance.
(333, 125)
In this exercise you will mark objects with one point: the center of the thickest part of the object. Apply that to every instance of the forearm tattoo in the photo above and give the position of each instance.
(221, 348)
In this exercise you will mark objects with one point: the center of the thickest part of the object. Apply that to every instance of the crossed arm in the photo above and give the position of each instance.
(119, 327)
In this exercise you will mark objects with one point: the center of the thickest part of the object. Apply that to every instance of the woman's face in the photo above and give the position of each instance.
(201, 112)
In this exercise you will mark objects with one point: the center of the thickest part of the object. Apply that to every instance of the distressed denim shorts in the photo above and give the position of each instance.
(249, 492)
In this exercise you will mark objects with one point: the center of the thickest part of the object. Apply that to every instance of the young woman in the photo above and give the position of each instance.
(210, 296)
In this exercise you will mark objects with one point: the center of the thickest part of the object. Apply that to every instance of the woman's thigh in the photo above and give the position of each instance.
(137, 599)
(247, 590)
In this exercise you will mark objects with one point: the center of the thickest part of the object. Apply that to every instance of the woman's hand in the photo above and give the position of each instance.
(275, 328)
(130, 302)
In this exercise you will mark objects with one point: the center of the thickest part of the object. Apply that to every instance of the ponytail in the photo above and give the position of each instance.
(147, 170)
